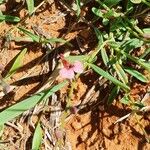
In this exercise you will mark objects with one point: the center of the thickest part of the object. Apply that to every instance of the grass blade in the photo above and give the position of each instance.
(122, 75)
(9, 18)
(17, 64)
(54, 40)
(17, 109)
(39, 39)
(37, 137)
(30, 34)
(111, 3)
(97, 12)
(30, 5)
(109, 77)
(81, 58)
(78, 7)
(104, 56)
(125, 100)
(136, 74)
(141, 62)
(99, 36)
(103, 51)
(113, 95)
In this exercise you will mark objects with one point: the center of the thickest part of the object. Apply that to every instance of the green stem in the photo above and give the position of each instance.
(145, 2)
(69, 103)
(134, 59)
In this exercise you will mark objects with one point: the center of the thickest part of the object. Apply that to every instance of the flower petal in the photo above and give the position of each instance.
(66, 73)
(78, 67)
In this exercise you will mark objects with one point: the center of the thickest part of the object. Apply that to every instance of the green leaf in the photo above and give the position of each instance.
(104, 56)
(141, 62)
(17, 63)
(125, 100)
(129, 7)
(122, 75)
(39, 39)
(9, 18)
(105, 21)
(37, 137)
(17, 109)
(30, 5)
(113, 95)
(146, 30)
(117, 25)
(136, 74)
(136, 1)
(138, 105)
(131, 44)
(99, 36)
(54, 40)
(30, 34)
(81, 58)
(111, 3)
(146, 33)
(97, 12)
(109, 77)
(100, 42)
(109, 14)
(78, 7)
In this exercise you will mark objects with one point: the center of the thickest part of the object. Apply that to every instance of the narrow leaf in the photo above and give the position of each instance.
(131, 44)
(122, 75)
(30, 34)
(78, 7)
(141, 62)
(136, 74)
(113, 95)
(125, 100)
(30, 5)
(99, 35)
(37, 137)
(9, 18)
(111, 3)
(17, 63)
(54, 40)
(109, 77)
(136, 1)
(17, 109)
(97, 12)
(81, 58)
(104, 56)
(39, 39)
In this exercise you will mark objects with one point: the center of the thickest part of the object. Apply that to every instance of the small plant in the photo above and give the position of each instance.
(117, 57)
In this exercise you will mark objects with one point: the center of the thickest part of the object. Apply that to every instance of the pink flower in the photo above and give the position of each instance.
(69, 70)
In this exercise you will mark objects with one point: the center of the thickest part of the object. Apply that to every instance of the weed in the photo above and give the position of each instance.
(119, 35)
